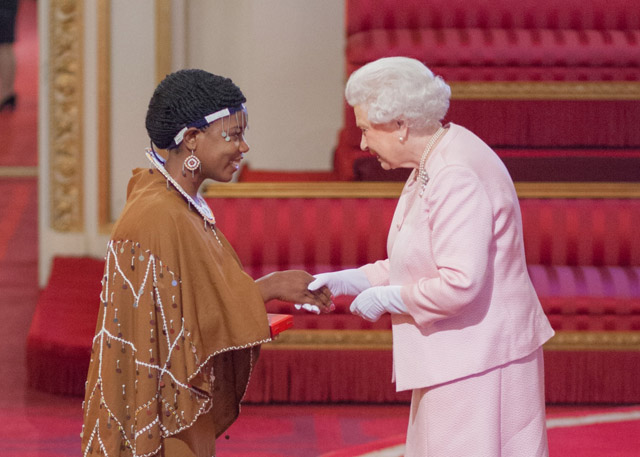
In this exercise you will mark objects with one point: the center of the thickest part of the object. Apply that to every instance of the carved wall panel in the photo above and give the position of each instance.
(66, 115)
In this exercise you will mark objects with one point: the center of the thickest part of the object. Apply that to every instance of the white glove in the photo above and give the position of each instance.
(345, 282)
(375, 301)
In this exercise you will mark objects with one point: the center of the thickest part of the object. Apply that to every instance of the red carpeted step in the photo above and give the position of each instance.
(63, 325)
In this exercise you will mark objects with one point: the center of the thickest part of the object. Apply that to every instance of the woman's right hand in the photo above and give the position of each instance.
(345, 282)
(292, 286)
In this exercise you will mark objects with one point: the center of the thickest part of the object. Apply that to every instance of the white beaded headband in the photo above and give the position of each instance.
(210, 118)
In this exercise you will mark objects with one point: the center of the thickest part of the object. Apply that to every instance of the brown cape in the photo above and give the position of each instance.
(178, 331)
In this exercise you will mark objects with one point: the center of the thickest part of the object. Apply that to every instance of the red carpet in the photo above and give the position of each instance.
(50, 426)
(587, 432)
(266, 431)
(14, 203)
(614, 433)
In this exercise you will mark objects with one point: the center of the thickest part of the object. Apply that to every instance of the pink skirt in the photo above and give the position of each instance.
(497, 413)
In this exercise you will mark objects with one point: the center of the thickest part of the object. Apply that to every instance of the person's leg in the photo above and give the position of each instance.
(456, 419)
(523, 407)
(8, 16)
(7, 71)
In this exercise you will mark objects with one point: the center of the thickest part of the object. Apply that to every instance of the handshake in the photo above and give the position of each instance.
(314, 293)
(345, 282)
(370, 302)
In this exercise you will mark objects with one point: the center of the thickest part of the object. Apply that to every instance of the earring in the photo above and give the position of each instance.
(191, 163)
(401, 138)
(224, 133)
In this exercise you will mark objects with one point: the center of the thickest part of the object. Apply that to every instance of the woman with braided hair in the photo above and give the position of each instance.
(181, 323)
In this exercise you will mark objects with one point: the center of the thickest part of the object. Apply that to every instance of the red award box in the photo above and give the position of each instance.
(279, 323)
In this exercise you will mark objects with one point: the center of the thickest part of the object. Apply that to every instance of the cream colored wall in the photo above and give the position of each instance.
(288, 58)
(132, 83)
(286, 55)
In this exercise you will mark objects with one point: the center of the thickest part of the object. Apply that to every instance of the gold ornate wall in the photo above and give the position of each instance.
(66, 39)
(66, 114)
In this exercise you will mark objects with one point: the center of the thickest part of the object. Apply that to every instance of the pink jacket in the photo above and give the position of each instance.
(458, 251)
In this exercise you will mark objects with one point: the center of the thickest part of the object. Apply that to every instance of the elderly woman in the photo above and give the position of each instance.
(180, 322)
(467, 325)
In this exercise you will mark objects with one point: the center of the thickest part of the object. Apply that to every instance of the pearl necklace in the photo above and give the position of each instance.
(423, 177)
(199, 203)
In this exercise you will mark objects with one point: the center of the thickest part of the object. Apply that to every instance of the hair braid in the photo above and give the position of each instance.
(184, 97)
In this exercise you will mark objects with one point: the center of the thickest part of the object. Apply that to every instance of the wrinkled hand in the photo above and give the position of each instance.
(292, 286)
(376, 301)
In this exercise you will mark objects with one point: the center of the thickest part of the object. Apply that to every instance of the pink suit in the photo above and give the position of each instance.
(458, 251)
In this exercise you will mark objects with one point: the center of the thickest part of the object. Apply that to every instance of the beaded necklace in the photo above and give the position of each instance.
(199, 203)
(423, 177)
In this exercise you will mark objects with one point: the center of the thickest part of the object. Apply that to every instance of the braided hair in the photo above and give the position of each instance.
(184, 97)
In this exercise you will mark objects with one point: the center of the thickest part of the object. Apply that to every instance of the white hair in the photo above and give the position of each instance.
(394, 88)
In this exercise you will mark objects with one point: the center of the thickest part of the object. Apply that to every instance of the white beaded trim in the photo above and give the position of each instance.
(227, 349)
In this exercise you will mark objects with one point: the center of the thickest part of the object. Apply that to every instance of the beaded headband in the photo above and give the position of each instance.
(210, 118)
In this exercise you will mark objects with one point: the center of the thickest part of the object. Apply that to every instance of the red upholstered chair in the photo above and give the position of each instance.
(538, 80)
(583, 257)
(584, 260)
(583, 254)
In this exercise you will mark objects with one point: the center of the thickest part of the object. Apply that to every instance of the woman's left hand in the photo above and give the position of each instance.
(375, 301)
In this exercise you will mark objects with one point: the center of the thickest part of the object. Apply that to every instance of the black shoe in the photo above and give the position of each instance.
(9, 103)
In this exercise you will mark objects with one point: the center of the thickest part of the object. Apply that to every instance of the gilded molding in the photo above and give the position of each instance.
(65, 114)
(578, 189)
(393, 189)
(317, 340)
(345, 340)
(18, 172)
(317, 189)
(545, 90)
(594, 341)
